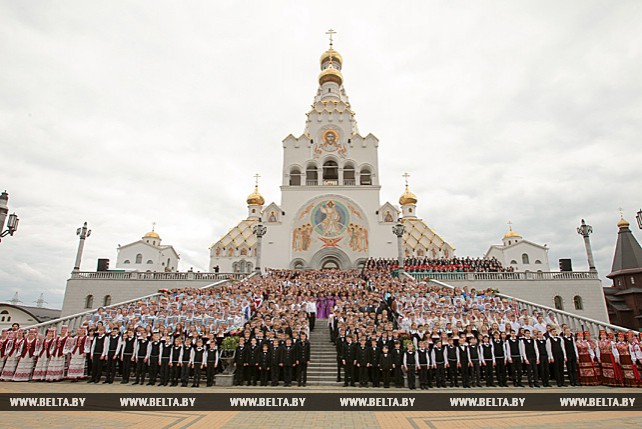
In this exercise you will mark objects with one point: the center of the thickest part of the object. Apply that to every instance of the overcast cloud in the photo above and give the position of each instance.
(126, 113)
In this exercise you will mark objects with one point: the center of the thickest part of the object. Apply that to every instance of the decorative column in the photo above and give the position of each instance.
(83, 233)
(585, 230)
(259, 230)
(399, 230)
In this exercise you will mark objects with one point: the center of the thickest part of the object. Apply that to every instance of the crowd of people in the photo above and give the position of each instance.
(388, 331)
(426, 265)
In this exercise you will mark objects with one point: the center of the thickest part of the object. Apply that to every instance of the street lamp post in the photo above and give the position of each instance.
(259, 230)
(12, 220)
(399, 230)
(638, 216)
(585, 230)
(83, 233)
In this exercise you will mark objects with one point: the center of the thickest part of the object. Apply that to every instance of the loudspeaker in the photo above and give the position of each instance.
(103, 265)
(566, 265)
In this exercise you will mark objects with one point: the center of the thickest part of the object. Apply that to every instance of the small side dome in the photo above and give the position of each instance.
(623, 223)
(255, 198)
(331, 53)
(330, 74)
(408, 198)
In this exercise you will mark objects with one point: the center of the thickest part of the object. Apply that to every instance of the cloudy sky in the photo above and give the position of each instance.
(122, 114)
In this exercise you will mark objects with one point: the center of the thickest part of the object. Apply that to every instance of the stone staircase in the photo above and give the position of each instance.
(322, 370)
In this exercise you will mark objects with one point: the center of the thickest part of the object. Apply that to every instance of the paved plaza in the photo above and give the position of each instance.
(307, 420)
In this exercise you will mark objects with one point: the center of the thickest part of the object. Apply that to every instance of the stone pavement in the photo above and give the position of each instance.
(307, 420)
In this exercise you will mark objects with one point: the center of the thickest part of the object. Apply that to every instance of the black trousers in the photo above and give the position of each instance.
(412, 381)
(153, 369)
(465, 374)
(558, 370)
(111, 368)
(516, 370)
(475, 372)
(164, 372)
(185, 373)
(141, 370)
(375, 376)
(239, 374)
(197, 375)
(175, 373)
(385, 375)
(571, 368)
(264, 374)
(302, 373)
(398, 376)
(363, 375)
(276, 372)
(544, 371)
(488, 373)
(96, 367)
(423, 376)
(531, 371)
(339, 366)
(349, 373)
(252, 374)
(287, 374)
(452, 374)
(500, 370)
(211, 372)
(127, 367)
(440, 374)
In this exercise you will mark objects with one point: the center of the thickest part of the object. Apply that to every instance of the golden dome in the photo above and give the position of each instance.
(331, 53)
(151, 234)
(330, 74)
(511, 233)
(408, 198)
(623, 223)
(255, 199)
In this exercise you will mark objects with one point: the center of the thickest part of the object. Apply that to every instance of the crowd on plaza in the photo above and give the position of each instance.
(426, 265)
(387, 331)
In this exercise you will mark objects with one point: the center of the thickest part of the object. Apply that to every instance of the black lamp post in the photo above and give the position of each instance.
(639, 218)
(12, 219)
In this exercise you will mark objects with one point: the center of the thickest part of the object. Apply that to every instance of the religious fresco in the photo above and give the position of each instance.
(334, 223)
(330, 143)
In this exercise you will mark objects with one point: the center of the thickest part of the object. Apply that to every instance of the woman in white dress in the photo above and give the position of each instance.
(43, 351)
(56, 367)
(3, 343)
(27, 360)
(79, 346)
(12, 351)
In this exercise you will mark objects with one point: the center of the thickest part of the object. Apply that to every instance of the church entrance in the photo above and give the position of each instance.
(330, 264)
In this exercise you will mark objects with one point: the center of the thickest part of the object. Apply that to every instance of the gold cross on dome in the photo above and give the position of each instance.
(330, 32)
(153, 226)
(256, 179)
(510, 225)
(621, 212)
(406, 176)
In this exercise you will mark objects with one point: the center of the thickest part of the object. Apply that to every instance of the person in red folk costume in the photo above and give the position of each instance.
(79, 346)
(12, 350)
(586, 355)
(27, 360)
(634, 349)
(630, 375)
(637, 352)
(43, 352)
(3, 344)
(56, 368)
(607, 355)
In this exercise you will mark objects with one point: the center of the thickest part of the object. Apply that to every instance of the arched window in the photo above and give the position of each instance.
(538, 262)
(89, 301)
(126, 261)
(298, 265)
(235, 267)
(311, 175)
(149, 261)
(330, 173)
(559, 305)
(107, 301)
(248, 267)
(577, 300)
(525, 259)
(348, 175)
(365, 177)
(513, 262)
(139, 258)
(295, 177)
(4, 312)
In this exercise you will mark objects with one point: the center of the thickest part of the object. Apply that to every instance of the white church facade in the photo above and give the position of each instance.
(520, 254)
(147, 254)
(330, 214)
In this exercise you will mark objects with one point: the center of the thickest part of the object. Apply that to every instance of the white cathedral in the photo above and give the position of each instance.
(330, 214)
